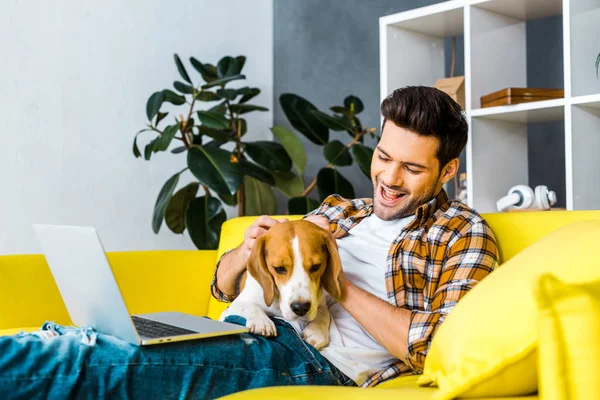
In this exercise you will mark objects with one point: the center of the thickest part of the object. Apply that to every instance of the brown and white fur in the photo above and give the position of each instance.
(289, 268)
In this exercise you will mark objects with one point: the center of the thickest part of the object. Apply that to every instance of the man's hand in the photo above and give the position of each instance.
(319, 220)
(254, 231)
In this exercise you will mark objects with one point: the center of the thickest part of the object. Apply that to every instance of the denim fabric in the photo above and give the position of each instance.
(61, 363)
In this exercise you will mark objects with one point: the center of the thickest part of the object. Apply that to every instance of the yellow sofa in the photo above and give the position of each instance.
(153, 281)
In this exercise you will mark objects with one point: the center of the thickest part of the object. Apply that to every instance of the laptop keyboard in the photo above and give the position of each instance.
(152, 329)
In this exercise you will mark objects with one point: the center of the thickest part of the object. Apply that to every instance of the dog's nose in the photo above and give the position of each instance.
(300, 308)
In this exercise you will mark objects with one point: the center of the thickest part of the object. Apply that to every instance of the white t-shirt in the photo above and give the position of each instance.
(363, 253)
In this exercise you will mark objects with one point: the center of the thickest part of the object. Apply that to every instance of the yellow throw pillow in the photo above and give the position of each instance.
(569, 339)
(487, 346)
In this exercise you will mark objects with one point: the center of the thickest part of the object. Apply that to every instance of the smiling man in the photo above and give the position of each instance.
(408, 256)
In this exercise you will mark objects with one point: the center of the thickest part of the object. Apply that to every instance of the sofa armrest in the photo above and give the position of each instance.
(151, 281)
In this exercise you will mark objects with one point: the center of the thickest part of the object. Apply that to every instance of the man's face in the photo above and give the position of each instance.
(405, 172)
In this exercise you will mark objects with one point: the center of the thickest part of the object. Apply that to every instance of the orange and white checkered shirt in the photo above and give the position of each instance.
(432, 263)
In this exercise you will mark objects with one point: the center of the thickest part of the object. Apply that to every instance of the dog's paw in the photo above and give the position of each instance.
(316, 336)
(261, 325)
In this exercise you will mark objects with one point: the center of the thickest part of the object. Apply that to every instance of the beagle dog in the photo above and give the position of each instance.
(289, 269)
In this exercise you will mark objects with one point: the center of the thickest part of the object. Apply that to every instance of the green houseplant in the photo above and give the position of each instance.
(231, 170)
(315, 126)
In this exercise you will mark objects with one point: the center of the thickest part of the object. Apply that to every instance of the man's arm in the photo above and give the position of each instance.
(407, 334)
(386, 323)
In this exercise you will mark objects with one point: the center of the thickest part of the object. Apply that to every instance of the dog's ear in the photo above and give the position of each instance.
(331, 277)
(257, 267)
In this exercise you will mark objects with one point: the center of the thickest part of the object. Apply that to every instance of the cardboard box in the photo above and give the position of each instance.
(453, 87)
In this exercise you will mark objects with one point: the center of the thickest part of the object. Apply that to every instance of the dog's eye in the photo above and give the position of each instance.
(280, 270)
(315, 268)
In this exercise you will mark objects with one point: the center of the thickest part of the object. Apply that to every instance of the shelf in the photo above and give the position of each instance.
(511, 43)
(537, 111)
(592, 101)
(522, 9)
(440, 20)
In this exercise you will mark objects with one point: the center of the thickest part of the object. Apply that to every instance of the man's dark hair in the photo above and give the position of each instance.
(428, 111)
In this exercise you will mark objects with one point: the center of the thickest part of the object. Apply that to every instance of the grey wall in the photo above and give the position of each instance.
(326, 50)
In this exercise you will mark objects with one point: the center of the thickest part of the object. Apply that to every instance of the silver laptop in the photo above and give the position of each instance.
(92, 297)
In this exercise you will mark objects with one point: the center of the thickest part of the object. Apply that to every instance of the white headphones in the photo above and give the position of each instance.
(523, 197)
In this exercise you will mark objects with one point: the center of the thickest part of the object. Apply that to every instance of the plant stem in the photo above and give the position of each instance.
(206, 190)
(238, 146)
(355, 140)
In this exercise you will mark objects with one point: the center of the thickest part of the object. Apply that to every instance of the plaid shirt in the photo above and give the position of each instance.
(431, 264)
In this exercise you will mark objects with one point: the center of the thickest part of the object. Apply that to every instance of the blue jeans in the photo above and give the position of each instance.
(81, 363)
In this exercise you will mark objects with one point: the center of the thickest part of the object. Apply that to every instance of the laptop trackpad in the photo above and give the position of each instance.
(192, 322)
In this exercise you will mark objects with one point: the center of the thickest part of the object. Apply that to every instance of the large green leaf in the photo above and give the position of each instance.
(207, 96)
(173, 97)
(136, 150)
(163, 141)
(289, 183)
(214, 144)
(337, 153)
(148, 150)
(342, 110)
(334, 123)
(229, 94)
(259, 198)
(354, 104)
(181, 69)
(213, 167)
(203, 220)
(153, 104)
(229, 66)
(257, 172)
(223, 81)
(220, 108)
(229, 199)
(217, 134)
(208, 71)
(293, 146)
(363, 156)
(299, 112)
(183, 87)
(270, 155)
(356, 127)
(159, 117)
(330, 181)
(240, 62)
(179, 149)
(162, 201)
(248, 93)
(175, 212)
(214, 120)
(244, 108)
(301, 205)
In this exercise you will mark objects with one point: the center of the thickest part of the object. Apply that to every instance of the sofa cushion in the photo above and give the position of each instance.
(487, 345)
(569, 344)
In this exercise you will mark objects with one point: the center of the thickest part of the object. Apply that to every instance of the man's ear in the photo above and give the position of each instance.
(331, 277)
(450, 170)
(257, 268)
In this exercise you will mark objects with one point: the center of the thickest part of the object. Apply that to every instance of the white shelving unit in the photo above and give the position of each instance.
(412, 53)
